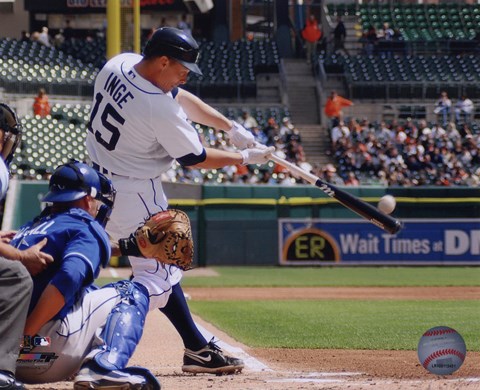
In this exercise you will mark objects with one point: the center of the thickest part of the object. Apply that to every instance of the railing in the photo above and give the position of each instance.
(69, 87)
(413, 90)
(223, 90)
(432, 47)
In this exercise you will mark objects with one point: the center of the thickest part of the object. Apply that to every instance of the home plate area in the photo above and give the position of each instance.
(277, 369)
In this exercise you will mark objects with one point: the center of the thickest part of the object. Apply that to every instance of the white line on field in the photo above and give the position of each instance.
(305, 380)
(250, 362)
(298, 377)
(255, 365)
(314, 377)
(113, 272)
(330, 374)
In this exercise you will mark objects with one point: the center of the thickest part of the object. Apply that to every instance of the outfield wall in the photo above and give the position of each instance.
(239, 225)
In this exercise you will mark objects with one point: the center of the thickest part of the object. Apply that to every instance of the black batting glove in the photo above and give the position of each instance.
(128, 246)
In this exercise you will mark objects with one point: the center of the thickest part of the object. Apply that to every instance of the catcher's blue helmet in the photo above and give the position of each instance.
(75, 180)
(72, 181)
(175, 43)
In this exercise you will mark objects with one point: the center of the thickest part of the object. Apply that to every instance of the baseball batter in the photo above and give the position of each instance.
(139, 125)
(72, 325)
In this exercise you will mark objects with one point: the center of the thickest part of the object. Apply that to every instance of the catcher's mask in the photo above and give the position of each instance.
(10, 133)
(75, 180)
(174, 43)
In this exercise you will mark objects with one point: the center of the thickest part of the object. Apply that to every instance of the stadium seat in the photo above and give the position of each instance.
(404, 76)
(53, 140)
(435, 21)
(230, 68)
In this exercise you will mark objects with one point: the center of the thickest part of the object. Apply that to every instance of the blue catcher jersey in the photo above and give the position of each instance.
(78, 245)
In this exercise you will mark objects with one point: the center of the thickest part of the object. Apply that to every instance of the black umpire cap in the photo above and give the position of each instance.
(174, 43)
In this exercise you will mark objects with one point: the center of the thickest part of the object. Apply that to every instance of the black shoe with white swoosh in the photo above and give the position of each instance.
(210, 360)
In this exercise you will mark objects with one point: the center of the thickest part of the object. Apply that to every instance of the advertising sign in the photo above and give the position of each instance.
(55, 6)
(354, 241)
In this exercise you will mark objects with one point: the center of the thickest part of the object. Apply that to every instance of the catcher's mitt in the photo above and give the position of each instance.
(167, 237)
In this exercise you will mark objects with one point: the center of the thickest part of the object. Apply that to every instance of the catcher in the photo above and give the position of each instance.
(72, 326)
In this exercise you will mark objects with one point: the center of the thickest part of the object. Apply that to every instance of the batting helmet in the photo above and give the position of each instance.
(12, 133)
(174, 43)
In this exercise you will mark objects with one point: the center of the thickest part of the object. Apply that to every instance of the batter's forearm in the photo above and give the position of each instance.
(219, 158)
(200, 112)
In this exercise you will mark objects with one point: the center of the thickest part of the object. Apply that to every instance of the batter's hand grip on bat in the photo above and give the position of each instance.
(364, 209)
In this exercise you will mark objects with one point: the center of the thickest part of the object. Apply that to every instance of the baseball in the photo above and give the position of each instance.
(441, 350)
(387, 204)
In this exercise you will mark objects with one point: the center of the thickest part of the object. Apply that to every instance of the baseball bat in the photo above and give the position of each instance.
(364, 209)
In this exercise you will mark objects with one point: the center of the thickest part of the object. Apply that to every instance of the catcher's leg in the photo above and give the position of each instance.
(70, 339)
(124, 326)
(105, 366)
(200, 356)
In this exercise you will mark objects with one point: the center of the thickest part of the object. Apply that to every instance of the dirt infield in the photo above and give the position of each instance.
(280, 369)
(277, 369)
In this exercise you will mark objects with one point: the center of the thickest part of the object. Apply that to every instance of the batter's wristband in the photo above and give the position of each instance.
(233, 129)
(244, 154)
(128, 246)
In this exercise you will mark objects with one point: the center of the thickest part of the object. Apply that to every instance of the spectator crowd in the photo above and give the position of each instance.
(284, 136)
(445, 153)
(406, 154)
(385, 41)
(409, 153)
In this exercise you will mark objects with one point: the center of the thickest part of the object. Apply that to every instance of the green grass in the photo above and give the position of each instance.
(342, 324)
(103, 281)
(337, 276)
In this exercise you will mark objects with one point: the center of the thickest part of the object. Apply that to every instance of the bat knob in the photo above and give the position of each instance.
(397, 227)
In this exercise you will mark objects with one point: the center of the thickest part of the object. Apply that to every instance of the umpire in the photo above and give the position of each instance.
(15, 281)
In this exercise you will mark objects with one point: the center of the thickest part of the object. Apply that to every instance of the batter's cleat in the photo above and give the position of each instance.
(92, 376)
(210, 360)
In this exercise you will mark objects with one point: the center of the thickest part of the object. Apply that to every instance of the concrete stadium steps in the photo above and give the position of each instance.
(301, 91)
(315, 142)
(352, 41)
(269, 88)
(302, 104)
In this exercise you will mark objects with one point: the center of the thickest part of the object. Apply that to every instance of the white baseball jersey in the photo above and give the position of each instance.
(135, 132)
(136, 129)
